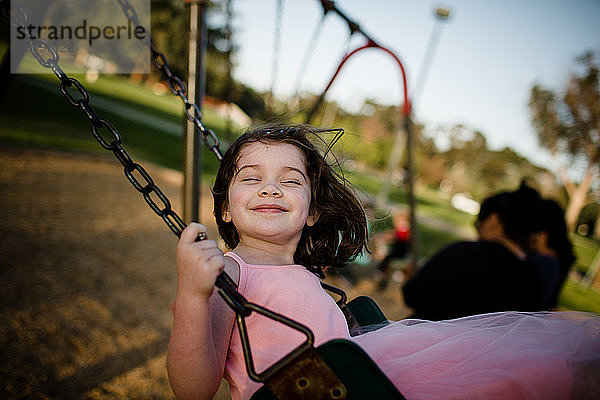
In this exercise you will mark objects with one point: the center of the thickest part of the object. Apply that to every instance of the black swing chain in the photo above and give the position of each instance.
(138, 176)
(176, 86)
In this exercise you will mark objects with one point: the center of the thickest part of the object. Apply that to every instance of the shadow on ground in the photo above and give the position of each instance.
(87, 279)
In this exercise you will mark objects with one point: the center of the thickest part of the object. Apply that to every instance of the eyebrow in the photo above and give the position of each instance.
(287, 167)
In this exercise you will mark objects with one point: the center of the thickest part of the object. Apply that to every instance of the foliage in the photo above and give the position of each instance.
(170, 22)
(569, 124)
(468, 165)
(576, 298)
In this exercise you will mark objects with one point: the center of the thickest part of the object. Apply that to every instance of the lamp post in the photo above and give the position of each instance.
(405, 139)
(441, 15)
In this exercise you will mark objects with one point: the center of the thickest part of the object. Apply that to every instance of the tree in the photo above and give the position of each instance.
(569, 125)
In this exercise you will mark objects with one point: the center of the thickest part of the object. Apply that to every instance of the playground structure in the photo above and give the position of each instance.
(141, 180)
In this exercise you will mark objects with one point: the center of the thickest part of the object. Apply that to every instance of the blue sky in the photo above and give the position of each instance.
(488, 56)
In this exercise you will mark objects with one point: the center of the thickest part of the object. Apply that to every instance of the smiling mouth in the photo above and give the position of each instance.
(269, 208)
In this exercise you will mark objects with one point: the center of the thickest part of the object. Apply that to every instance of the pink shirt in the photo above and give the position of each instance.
(270, 340)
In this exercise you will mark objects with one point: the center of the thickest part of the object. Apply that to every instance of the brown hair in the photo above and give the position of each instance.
(340, 232)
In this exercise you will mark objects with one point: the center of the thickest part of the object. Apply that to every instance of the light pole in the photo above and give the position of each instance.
(441, 15)
(405, 139)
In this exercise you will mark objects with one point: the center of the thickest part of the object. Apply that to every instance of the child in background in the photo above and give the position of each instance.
(399, 239)
(285, 214)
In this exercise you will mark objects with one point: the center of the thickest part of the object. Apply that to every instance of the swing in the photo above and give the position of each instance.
(338, 369)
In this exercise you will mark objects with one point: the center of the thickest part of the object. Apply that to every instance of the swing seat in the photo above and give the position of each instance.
(366, 312)
(358, 377)
(360, 313)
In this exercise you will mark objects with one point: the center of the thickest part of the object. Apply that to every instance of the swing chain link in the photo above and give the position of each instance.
(111, 140)
(192, 111)
(152, 194)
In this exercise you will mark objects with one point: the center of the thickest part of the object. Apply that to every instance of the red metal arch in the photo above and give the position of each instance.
(406, 108)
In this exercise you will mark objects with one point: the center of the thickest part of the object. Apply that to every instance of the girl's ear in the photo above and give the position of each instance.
(227, 216)
(312, 218)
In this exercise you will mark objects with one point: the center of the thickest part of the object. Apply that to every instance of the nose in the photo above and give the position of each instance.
(269, 190)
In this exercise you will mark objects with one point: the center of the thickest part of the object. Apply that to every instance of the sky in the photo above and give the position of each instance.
(487, 57)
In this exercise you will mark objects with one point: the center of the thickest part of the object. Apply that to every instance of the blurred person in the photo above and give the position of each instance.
(488, 275)
(550, 250)
(400, 238)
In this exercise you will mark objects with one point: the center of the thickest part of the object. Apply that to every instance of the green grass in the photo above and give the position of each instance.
(438, 206)
(577, 298)
(370, 183)
(125, 92)
(585, 251)
(55, 124)
(432, 240)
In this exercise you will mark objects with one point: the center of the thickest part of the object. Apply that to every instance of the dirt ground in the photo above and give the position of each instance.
(88, 279)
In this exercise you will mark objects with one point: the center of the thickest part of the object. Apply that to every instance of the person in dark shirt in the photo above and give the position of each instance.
(550, 250)
(488, 275)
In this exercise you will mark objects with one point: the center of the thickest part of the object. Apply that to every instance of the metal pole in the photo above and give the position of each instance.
(192, 157)
(412, 204)
(276, 45)
(441, 15)
(228, 67)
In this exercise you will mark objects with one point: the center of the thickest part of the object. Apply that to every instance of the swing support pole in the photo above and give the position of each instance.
(192, 156)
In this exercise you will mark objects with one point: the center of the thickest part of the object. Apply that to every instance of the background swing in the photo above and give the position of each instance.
(277, 377)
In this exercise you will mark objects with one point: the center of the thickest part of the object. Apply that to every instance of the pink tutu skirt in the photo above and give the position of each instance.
(508, 355)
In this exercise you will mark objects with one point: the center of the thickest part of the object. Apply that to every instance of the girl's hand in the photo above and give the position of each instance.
(198, 263)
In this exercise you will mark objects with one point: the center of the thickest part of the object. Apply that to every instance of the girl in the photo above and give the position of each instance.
(286, 214)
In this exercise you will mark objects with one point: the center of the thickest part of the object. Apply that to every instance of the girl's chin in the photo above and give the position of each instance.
(274, 234)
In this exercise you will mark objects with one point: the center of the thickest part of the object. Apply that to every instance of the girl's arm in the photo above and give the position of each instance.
(202, 322)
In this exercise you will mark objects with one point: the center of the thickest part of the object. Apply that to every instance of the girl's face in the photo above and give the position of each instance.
(270, 194)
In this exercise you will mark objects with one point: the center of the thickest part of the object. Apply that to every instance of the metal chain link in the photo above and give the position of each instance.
(107, 135)
(176, 86)
(77, 95)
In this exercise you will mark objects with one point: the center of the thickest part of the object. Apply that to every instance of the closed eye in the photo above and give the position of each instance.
(250, 179)
(292, 181)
